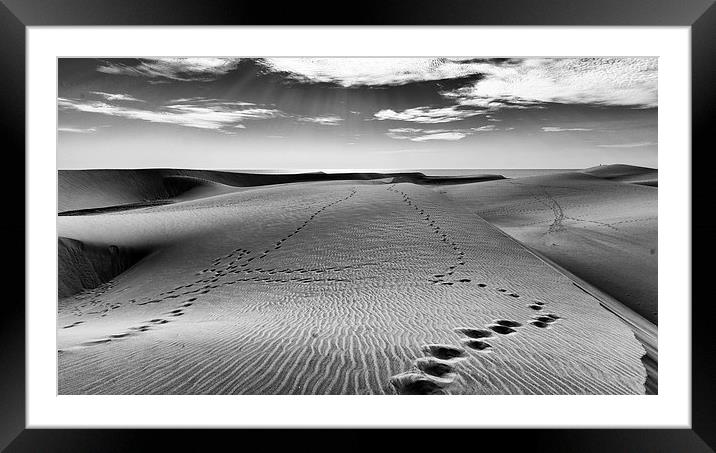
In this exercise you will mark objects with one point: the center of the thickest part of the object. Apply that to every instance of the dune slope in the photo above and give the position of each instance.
(85, 266)
(625, 173)
(603, 231)
(333, 288)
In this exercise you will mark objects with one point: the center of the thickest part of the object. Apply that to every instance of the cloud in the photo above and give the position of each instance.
(450, 136)
(349, 72)
(180, 69)
(422, 135)
(564, 129)
(529, 82)
(116, 97)
(76, 130)
(627, 145)
(322, 120)
(205, 114)
(488, 128)
(510, 83)
(427, 115)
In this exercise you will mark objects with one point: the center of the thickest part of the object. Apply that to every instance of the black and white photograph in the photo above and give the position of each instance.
(357, 226)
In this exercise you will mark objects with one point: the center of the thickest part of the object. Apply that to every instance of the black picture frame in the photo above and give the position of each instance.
(16, 15)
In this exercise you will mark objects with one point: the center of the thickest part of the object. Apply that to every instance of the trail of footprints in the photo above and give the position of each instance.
(431, 374)
(235, 262)
(444, 276)
(93, 297)
(434, 372)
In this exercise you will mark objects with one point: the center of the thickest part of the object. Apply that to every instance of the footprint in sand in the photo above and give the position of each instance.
(444, 351)
(502, 330)
(508, 323)
(478, 345)
(474, 340)
(120, 335)
(435, 367)
(142, 328)
(431, 378)
(474, 333)
(544, 321)
(159, 321)
(96, 342)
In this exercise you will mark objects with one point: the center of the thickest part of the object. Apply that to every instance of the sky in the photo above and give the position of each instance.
(356, 113)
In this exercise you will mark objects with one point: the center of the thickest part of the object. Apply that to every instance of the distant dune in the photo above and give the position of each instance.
(626, 173)
(601, 229)
(122, 189)
(378, 284)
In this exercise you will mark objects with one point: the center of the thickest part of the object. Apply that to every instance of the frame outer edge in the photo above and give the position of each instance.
(14, 18)
(12, 320)
(703, 99)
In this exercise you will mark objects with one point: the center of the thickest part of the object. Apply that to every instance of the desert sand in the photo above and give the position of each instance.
(348, 285)
(592, 223)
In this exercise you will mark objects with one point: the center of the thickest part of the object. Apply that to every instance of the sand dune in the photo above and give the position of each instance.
(626, 173)
(111, 190)
(85, 266)
(602, 230)
(335, 288)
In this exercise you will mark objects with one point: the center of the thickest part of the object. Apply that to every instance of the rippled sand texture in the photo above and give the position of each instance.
(333, 288)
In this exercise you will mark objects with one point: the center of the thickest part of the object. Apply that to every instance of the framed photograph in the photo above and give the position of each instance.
(460, 216)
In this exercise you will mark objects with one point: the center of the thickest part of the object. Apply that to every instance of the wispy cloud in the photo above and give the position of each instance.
(529, 82)
(322, 120)
(564, 129)
(422, 135)
(488, 128)
(627, 145)
(427, 115)
(449, 136)
(77, 130)
(116, 97)
(179, 69)
(213, 115)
